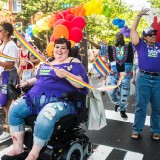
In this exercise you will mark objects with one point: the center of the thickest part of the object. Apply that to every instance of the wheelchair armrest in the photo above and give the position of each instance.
(72, 95)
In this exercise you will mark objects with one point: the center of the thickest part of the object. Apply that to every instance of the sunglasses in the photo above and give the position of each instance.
(153, 34)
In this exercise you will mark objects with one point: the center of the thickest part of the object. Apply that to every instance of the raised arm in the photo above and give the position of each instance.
(97, 46)
(134, 33)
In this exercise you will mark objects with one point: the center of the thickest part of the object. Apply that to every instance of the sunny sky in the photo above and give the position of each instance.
(137, 4)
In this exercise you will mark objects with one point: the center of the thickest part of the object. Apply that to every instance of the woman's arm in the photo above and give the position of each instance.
(93, 44)
(7, 64)
(61, 75)
(29, 82)
(134, 33)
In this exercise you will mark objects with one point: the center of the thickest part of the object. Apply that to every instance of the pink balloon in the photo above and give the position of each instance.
(59, 15)
(59, 21)
(52, 38)
(67, 24)
(69, 17)
(75, 34)
(64, 13)
(79, 22)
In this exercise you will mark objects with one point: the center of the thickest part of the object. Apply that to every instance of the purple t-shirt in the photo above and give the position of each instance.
(49, 84)
(148, 56)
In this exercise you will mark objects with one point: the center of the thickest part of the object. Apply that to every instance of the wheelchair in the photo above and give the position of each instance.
(68, 142)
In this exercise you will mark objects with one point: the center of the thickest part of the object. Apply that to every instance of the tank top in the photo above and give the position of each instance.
(25, 65)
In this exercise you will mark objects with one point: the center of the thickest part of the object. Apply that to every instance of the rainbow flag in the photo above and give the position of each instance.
(101, 67)
(29, 46)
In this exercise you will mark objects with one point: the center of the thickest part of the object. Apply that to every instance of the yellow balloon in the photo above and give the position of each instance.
(49, 49)
(72, 43)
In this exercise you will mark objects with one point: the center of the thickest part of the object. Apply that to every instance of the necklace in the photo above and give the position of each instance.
(120, 52)
(120, 58)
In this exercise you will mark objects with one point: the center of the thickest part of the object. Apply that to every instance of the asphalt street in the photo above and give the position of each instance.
(113, 142)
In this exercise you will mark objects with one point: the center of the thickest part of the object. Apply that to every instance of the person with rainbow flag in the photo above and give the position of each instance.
(120, 57)
(45, 100)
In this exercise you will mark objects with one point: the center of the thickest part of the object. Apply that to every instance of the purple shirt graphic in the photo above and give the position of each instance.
(148, 56)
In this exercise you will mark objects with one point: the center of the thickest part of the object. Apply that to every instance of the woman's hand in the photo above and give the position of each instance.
(143, 12)
(22, 85)
(59, 74)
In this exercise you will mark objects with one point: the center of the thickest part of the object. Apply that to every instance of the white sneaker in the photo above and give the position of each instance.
(4, 136)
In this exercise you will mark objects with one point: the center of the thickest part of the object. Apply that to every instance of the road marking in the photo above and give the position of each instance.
(116, 116)
(102, 152)
(133, 156)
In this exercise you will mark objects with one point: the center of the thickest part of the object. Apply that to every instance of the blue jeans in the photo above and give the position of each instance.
(46, 119)
(122, 98)
(147, 90)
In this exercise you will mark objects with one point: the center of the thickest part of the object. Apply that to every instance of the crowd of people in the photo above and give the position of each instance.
(139, 60)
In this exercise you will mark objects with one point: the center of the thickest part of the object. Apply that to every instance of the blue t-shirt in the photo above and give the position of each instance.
(148, 56)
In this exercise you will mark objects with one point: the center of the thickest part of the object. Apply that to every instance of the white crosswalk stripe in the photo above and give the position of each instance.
(102, 152)
(112, 115)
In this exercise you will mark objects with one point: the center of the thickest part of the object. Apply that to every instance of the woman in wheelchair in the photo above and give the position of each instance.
(44, 99)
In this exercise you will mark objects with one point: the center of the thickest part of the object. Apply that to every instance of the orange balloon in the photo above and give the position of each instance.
(49, 49)
(72, 43)
(60, 31)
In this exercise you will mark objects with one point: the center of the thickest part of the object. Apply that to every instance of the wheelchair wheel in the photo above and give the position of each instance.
(89, 149)
(75, 152)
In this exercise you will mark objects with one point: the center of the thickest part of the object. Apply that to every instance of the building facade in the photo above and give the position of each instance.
(9, 10)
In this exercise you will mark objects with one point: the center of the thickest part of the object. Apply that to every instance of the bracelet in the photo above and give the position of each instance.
(27, 83)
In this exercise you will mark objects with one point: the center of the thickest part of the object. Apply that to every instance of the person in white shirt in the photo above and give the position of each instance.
(8, 71)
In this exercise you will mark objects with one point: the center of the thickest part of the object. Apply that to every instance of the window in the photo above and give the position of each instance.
(16, 6)
(6, 5)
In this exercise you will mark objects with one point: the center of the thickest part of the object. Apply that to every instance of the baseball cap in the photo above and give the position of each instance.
(148, 31)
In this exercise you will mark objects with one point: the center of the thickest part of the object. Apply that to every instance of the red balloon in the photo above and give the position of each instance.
(69, 17)
(79, 22)
(67, 24)
(75, 34)
(59, 15)
(64, 13)
(59, 21)
(52, 38)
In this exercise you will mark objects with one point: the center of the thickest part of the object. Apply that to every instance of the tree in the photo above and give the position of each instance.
(98, 26)
(154, 3)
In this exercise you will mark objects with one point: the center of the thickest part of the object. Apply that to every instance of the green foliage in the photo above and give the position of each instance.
(99, 27)
(154, 3)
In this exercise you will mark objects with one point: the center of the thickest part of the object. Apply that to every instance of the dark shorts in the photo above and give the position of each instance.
(13, 79)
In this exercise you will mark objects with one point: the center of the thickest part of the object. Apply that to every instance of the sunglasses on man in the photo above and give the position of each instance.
(152, 34)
